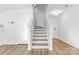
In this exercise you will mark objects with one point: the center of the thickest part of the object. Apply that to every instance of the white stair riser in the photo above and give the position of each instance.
(39, 31)
(39, 41)
(39, 37)
(40, 34)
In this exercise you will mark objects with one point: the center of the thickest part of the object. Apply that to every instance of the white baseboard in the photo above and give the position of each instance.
(29, 49)
(67, 42)
(11, 43)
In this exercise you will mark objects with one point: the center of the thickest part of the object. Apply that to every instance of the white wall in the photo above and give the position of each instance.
(69, 26)
(39, 17)
(16, 33)
(53, 22)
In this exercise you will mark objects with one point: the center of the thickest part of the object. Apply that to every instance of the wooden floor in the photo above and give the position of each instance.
(13, 50)
(60, 48)
(40, 52)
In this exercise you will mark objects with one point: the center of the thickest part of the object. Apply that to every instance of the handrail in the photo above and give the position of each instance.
(31, 28)
(49, 34)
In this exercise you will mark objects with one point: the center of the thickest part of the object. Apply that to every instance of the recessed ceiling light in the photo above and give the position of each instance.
(56, 12)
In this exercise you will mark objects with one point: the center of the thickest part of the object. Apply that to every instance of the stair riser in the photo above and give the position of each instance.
(39, 37)
(39, 30)
(41, 42)
(40, 34)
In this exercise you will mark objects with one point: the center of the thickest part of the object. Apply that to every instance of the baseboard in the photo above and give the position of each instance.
(22, 44)
(29, 49)
(13, 44)
(66, 42)
(56, 37)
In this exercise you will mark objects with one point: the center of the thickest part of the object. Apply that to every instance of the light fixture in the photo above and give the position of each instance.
(35, 4)
(56, 12)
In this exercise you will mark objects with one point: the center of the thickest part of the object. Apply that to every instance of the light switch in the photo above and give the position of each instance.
(54, 28)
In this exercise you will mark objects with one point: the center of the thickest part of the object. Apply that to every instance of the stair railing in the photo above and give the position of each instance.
(49, 31)
(30, 32)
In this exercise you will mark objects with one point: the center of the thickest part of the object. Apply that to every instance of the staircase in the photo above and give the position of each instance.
(39, 40)
(40, 30)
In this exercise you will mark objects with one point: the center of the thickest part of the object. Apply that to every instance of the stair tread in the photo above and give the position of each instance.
(39, 35)
(39, 30)
(39, 27)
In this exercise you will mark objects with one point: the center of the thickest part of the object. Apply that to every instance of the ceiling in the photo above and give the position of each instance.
(48, 7)
(22, 6)
(52, 7)
(56, 6)
(15, 6)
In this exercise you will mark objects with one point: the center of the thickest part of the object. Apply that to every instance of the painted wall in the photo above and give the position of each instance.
(16, 33)
(68, 27)
(53, 22)
(39, 17)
